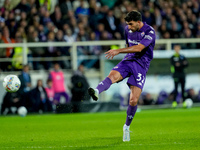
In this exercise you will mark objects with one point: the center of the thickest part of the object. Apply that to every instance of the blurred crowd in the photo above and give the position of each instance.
(87, 20)
(163, 97)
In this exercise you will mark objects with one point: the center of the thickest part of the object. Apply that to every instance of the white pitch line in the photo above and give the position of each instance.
(50, 147)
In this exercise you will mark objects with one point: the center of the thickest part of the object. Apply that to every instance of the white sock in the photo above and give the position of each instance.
(97, 91)
(126, 127)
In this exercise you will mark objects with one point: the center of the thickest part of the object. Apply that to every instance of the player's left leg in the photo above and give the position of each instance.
(132, 108)
(113, 77)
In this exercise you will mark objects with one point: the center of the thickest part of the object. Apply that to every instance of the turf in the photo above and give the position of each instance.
(166, 129)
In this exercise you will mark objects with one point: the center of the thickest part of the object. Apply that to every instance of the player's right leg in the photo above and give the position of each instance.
(132, 108)
(113, 77)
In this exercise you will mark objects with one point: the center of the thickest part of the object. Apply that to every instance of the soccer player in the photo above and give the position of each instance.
(140, 41)
(178, 65)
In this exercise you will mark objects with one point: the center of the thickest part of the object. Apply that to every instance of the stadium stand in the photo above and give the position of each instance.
(85, 20)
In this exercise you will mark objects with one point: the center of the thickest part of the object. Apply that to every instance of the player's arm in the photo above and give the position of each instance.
(132, 49)
(149, 38)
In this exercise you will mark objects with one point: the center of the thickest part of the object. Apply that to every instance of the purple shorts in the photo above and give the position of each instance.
(136, 74)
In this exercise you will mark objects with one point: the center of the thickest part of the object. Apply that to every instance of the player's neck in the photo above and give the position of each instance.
(141, 25)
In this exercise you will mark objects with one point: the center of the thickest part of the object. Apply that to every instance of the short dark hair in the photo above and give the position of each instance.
(133, 16)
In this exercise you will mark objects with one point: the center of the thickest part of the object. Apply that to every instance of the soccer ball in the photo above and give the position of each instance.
(189, 102)
(22, 111)
(11, 83)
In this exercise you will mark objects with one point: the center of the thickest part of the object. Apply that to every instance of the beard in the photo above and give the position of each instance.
(136, 28)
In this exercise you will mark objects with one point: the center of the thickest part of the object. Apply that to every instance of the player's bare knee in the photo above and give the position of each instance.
(133, 101)
(115, 76)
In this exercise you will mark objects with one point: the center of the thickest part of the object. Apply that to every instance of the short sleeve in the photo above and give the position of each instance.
(149, 38)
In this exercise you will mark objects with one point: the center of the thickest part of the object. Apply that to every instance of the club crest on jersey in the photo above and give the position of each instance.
(142, 34)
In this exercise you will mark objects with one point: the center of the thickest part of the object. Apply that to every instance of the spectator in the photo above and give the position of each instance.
(2, 23)
(100, 28)
(110, 4)
(12, 27)
(41, 33)
(69, 36)
(25, 79)
(192, 95)
(105, 36)
(174, 27)
(65, 7)
(26, 85)
(46, 18)
(110, 22)
(94, 50)
(95, 14)
(163, 98)
(148, 100)
(51, 50)
(6, 38)
(56, 17)
(2, 50)
(50, 91)
(163, 28)
(8, 6)
(148, 17)
(62, 51)
(33, 3)
(39, 99)
(23, 6)
(59, 86)
(73, 25)
(158, 17)
(37, 52)
(31, 15)
(82, 10)
(7, 66)
(11, 100)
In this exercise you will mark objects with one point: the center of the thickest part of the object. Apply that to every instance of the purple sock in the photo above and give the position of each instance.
(130, 114)
(104, 85)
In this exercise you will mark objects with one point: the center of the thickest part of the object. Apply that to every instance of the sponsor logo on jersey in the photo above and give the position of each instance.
(148, 37)
(132, 41)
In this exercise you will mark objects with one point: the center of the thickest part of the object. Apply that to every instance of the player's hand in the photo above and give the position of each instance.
(111, 53)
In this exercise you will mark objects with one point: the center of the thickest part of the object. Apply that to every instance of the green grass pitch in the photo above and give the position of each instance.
(166, 129)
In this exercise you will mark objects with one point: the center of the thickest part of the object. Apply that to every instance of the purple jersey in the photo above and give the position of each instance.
(145, 36)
